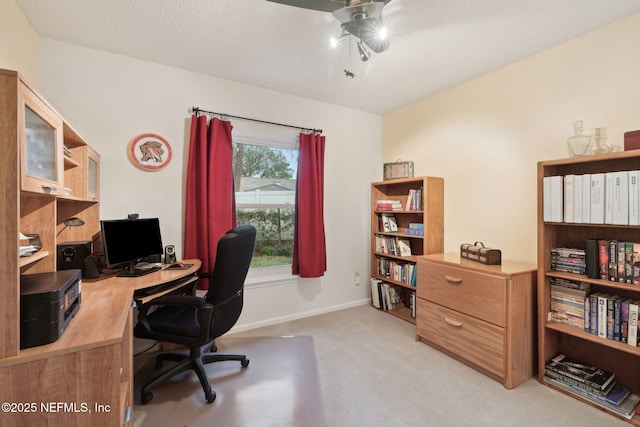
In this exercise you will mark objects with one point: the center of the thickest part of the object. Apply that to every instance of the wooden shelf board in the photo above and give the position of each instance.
(27, 260)
(579, 333)
(600, 282)
(403, 313)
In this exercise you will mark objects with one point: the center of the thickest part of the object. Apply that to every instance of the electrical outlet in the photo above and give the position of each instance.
(356, 278)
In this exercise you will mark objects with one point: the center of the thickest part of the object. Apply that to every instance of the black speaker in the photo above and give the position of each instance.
(72, 255)
(91, 267)
(169, 254)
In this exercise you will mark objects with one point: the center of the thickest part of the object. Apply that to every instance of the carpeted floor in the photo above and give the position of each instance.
(280, 387)
(371, 373)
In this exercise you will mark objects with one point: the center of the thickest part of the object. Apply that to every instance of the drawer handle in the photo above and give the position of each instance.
(453, 322)
(49, 188)
(453, 280)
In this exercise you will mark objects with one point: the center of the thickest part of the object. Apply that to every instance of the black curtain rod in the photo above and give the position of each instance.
(197, 110)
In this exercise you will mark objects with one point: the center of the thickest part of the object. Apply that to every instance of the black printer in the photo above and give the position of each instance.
(48, 302)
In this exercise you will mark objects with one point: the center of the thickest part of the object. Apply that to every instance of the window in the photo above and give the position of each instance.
(265, 170)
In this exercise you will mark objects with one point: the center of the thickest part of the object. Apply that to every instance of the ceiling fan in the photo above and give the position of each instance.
(359, 18)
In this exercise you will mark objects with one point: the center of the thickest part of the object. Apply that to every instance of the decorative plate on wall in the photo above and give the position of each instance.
(149, 151)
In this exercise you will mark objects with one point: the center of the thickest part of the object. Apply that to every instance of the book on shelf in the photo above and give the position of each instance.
(602, 314)
(632, 334)
(603, 259)
(580, 385)
(577, 199)
(620, 198)
(624, 319)
(586, 198)
(634, 197)
(569, 206)
(592, 258)
(555, 199)
(388, 205)
(569, 260)
(414, 200)
(626, 408)
(413, 305)
(592, 376)
(597, 198)
(415, 229)
(375, 292)
(404, 247)
(388, 223)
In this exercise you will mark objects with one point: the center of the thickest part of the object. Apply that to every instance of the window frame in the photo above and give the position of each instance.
(268, 276)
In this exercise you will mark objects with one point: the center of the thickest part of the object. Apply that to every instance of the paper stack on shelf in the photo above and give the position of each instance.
(26, 247)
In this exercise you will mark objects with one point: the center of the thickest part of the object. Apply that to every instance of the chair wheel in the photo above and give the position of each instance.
(146, 397)
(210, 396)
(244, 363)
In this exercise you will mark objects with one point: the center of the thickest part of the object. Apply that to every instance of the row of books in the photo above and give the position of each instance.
(569, 260)
(393, 246)
(388, 223)
(612, 317)
(594, 384)
(616, 261)
(414, 200)
(568, 301)
(607, 316)
(598, 198)
(388, 205)
(611, 260)
(386, 296)
(415, 229)
(399, 271)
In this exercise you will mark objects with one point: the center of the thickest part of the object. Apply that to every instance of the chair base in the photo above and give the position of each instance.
(196, 359)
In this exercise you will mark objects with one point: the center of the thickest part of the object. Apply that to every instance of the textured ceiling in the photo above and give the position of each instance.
(435, 44)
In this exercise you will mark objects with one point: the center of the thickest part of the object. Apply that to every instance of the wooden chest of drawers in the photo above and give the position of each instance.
(483, 315)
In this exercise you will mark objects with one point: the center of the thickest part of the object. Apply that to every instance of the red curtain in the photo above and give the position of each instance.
(309, 250)
(210, 209)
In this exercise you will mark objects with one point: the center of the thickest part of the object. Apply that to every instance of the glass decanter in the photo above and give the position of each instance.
(599, 145)
(578, 143)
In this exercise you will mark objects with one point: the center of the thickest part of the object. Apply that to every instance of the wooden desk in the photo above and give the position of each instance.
(86, 376)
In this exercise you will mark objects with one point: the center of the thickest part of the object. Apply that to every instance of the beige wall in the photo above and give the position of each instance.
(486, 135)
(18, 42)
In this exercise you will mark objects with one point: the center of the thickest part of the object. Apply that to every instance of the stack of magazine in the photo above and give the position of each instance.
(591, 383)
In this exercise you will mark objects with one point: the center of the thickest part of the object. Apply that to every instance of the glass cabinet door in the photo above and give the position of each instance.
(39, 147)
(93, 173)
(42, 169)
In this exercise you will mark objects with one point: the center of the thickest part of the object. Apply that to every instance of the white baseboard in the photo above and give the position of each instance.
(295, 316)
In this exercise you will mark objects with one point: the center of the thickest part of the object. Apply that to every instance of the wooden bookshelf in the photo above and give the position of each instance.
(428, 211)
(554, 337)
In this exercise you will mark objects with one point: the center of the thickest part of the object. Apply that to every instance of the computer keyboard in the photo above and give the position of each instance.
(159, 288)
(155, 266)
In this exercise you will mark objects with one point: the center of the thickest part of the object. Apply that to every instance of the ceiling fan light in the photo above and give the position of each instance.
(382, 33)
(336, 40)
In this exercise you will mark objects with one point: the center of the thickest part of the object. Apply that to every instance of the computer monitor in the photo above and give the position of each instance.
(129, 241)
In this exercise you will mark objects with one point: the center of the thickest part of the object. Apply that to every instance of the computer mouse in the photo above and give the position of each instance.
(176, 265)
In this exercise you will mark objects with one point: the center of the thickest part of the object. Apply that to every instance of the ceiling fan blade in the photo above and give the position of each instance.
(321, 5)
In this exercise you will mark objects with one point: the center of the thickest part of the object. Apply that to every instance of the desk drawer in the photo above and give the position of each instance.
(479, 342)
(475, 294)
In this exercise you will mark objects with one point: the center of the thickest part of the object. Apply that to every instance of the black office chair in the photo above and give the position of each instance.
(196, 322)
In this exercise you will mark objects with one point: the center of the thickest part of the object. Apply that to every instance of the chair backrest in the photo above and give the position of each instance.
(233, 258)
